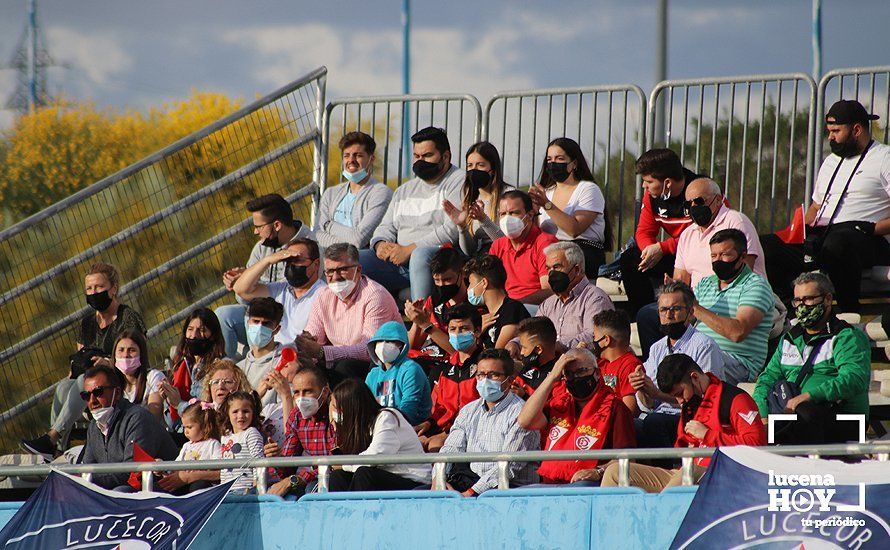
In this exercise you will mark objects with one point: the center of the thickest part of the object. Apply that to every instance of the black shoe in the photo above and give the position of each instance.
(43, 446)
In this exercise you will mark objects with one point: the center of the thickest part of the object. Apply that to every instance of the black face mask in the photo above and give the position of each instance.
(559, 281)
(426, 170)
(271, 242)
(673, 330)
(725, 271)
(198, 346)
(559, 171)
(531, 360)
(296, 275)
(846, 149)
(99, 301)
(596, 348)
(701, 214)
(690, 407)
(582, 388)
(477, 179)
(443, 293)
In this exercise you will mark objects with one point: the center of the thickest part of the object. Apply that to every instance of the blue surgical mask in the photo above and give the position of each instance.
(462, 341)
(472, 297)
(489, 390)
(357, 176)
(258, 336)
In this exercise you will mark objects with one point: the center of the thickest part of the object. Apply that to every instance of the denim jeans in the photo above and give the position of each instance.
(416, 273)
(231, 320)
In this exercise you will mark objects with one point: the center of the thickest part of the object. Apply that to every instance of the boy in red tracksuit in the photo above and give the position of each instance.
(611, 344)
(455, 385)
(644, 265)
(714, 414)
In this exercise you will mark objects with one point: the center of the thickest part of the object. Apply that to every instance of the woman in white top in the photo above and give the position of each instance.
(364, 427)
(141, 382)
(574, 208)
(477, 218)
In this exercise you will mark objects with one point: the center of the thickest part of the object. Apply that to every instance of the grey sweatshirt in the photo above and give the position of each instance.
(370, 206)
(415, 214)
(129, 424)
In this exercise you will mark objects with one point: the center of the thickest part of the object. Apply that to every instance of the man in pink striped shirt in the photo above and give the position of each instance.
(345, 315)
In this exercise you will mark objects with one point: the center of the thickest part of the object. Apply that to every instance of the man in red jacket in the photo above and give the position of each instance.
(588, 415)
(644, 265)
(714, 414)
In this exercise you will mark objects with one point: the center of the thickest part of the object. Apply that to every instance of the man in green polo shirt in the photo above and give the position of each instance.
(734, 307)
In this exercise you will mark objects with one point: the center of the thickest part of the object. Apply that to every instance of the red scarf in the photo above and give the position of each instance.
(708, 413)
(589, 431)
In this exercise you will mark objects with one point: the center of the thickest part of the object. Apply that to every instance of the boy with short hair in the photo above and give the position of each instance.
(263, 323)
(537, 347)
(616, 360)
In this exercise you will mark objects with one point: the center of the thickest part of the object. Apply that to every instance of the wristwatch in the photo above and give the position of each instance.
(548, 205)
(428, 329)
(295, 482)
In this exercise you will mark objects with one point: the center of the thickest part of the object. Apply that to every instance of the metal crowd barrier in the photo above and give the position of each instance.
(391, 120)
(608, 122)
(714, 123)
(868, 85)
(324, 463)
(167, 222)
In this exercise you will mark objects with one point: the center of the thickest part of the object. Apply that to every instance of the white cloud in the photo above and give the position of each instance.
(99, 55)
(443, 59)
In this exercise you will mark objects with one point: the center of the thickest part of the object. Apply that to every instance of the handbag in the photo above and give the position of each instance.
(82, 359)
(783, 390)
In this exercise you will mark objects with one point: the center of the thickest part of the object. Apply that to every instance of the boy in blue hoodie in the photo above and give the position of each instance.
(397, 381)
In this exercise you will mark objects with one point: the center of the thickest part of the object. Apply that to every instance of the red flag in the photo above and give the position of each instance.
(287, 355)
(795, 232)
(139, 455)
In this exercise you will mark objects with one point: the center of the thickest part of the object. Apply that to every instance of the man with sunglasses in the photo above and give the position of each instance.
(584, 414)
(841, 369)
(273, 222)
(848, 220)
(117, 425)
(345, 315)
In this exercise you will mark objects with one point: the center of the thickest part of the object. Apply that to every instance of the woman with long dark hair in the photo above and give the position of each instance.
(574, 208)
(142, 384)
(477, 218)
(366, 428)
(200, 344)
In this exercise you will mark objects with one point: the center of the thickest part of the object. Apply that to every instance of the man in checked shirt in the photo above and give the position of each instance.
(308, 432)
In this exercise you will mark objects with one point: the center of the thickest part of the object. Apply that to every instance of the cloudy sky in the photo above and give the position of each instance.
(137, 54)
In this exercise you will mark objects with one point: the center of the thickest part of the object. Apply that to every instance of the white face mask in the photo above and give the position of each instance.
(102, 416)
(512, 226)
(308, 406)
(387, 352)
(342, 289)
(336, 416)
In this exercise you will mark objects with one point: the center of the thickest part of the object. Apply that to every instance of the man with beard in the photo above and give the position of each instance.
(849, 219)
(415, 226)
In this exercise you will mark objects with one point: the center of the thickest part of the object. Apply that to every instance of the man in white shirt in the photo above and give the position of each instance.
(849, 219)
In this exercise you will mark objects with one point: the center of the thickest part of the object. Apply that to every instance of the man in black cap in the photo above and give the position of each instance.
(848, 220)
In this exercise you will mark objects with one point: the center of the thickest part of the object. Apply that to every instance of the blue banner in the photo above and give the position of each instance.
(69, 512)
(755, 499)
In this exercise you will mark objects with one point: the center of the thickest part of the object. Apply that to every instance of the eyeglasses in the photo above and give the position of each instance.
(262, 225)
(698, 201)
(496, 376)
(97, 392)
(808, 300)
(342, 271)
(222, 382)
(671, 309)
(578, 374)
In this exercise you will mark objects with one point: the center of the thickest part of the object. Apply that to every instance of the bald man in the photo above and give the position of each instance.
(709, 213)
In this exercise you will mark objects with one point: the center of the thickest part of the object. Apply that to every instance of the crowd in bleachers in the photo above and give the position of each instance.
(462, 314)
